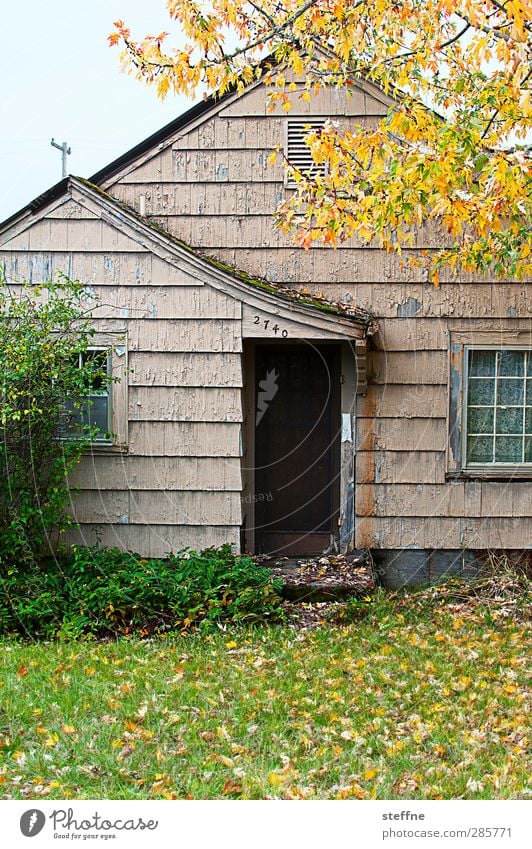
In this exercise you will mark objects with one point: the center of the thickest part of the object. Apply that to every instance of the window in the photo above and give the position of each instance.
(297, 152)
(497, 410)
(94, 411)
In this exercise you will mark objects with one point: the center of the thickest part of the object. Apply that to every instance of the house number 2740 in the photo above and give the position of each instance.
(267, 323)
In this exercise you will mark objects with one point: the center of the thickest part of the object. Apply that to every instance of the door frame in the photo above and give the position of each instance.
(350, 378)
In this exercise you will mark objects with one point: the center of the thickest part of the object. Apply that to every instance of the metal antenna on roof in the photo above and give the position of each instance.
(65, 151)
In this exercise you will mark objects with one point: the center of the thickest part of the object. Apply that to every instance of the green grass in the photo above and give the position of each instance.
(399, 705)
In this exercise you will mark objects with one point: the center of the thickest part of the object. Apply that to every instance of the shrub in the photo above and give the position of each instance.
(44, 335)
(108, 592)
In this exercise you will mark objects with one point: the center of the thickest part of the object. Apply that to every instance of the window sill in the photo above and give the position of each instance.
(107, 449)
(507, 474)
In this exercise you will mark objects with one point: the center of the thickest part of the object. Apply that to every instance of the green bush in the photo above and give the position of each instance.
(108, 592)
(45, 334)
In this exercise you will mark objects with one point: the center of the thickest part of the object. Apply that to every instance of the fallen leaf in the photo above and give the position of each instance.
(276, 779)
(231, 788)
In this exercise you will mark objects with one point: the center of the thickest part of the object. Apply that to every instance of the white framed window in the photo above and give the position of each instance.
(497, 408)
(95, 410)
(297, 152)
(106, 405)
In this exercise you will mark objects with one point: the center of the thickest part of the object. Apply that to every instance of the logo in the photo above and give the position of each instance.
(268, 390)
(32, 822)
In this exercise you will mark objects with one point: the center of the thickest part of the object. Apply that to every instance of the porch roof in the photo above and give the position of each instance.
(325, 317)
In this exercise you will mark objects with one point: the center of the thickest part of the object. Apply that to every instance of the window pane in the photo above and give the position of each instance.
(508, 449)
(480, 449)
(481, 391)
(481, 363)
(512, 363)
(480, 419)
(509, 420)
(510, 391)
(97, 362)
(499, 401)
(95, 414)
(70, 425)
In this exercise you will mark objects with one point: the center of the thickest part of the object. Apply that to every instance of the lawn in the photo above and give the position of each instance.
(414, 704)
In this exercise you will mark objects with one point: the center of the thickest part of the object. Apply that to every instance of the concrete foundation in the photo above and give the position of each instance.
(409, 567)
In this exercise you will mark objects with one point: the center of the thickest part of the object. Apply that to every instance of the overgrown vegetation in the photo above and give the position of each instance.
(412, 702)
(423, 696)
(45, 334)
(108, 592)
(500, 591)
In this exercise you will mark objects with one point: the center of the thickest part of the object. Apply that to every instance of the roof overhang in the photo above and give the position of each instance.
(302, 316)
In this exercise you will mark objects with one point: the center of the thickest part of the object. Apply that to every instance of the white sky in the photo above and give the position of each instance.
(60, 79)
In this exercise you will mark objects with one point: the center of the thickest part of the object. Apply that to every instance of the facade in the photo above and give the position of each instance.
(284, 401)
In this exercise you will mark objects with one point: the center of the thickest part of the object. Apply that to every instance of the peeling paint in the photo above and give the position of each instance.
(222, 172)
(124, 519)
(347, 520)
(409, 309)
(511, 312)
(454, 409)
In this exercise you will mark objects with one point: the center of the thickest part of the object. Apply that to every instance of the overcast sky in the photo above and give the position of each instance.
(61, 79)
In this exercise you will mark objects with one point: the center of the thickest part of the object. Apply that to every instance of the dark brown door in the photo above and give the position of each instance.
(297, 403)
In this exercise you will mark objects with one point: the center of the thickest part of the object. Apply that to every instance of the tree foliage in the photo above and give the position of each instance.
(43, 329)
(453, 151)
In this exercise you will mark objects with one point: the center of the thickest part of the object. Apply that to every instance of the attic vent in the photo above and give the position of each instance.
(297, 151)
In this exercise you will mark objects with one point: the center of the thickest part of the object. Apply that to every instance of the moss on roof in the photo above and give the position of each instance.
(284, 292)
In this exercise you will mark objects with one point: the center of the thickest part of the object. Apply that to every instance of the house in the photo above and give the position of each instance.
(280, 400)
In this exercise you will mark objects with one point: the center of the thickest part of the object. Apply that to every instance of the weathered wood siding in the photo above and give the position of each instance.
(177, 484)
(212, 186)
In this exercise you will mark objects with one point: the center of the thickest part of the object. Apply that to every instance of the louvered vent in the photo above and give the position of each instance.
(297, 151)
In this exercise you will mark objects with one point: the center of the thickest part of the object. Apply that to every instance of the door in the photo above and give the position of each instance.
(297, 447)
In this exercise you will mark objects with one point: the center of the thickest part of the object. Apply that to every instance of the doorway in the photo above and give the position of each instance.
(296, 447)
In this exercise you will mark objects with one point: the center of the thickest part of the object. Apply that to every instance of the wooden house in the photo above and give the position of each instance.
(280, 400)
